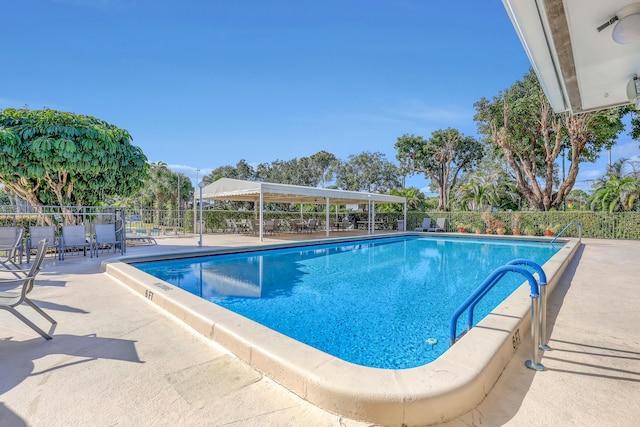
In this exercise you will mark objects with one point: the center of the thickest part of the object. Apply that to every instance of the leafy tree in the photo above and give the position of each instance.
(531, 136)
(49, 157)
(321, 165)
(576, 199)
(226, 171)
(441, 158)
(415, 200)
(488, 186)
(294, 171)
(616, 191)
(242, 170)
(367, 171)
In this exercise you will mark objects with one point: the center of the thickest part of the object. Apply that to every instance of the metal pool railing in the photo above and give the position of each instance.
(538, 311)
(565, 229)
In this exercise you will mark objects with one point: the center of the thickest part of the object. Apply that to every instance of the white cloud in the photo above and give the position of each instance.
(626, 149)
(590, 174)
(194, 173)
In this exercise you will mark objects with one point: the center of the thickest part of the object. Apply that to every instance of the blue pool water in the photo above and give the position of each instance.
(376, 303)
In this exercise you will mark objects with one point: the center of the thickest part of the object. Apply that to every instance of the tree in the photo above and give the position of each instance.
(159, 182)
(441, 158)
(370, 172)
(242, 170)
(294, 171)
(486, 190)
(181, 189)
(49, 157)
(415, 200)
(616, 191)
(322, 163)
(521, 123)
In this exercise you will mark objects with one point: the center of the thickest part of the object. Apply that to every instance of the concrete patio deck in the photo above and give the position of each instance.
(117, 360)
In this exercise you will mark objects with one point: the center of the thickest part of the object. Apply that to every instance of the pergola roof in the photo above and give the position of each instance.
(239, 190)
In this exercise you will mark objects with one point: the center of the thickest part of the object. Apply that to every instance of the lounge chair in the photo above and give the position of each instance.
(440, 225)
(39, 232)
(426, 224)
(106, 238)
(19, 290)
(11, 245)
(75, 237)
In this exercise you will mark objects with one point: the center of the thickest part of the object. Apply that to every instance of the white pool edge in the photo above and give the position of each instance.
(442, 390)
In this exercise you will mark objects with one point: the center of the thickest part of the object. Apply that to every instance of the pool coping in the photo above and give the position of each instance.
(448, 387)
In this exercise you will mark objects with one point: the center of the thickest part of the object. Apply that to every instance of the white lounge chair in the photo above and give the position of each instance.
(426, 224)
(440, 225)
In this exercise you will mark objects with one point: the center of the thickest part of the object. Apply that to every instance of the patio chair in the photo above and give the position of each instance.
(270, 226)
(11, 245)
(75, 237)
(231, 225)
(440, 225)
(346, 224)
(39, 232)
(106, 238)
(297, 225)
(21, 287)
(312, 225)
(246, 226)
(426, 224)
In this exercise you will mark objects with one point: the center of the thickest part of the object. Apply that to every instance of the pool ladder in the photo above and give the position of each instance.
(565, 229)
(538, 295)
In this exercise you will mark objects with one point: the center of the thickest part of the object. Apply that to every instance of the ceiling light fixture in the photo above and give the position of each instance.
(627, 24)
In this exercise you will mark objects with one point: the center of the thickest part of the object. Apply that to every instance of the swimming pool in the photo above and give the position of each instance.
(382, 303)
(451, 385)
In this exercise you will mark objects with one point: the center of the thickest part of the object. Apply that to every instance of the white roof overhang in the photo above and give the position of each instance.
(580, 68)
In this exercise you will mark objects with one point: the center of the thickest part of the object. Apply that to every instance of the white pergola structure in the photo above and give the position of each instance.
(266, 192)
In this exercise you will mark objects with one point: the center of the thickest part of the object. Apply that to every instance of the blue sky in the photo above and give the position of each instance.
(201, 84)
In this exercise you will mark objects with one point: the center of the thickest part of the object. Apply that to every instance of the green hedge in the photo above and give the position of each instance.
(594, 224)
(602, 225)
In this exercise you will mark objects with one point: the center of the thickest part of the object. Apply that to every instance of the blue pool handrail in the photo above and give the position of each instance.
(565, 229)
(536, 309)
(542, 277)
(518, 261)
(481, 290)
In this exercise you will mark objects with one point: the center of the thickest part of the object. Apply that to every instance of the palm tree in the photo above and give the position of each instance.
(615, 193)
(159, 182)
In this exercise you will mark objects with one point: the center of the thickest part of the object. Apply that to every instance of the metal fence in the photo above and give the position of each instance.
(57, 216)
(148, 222)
